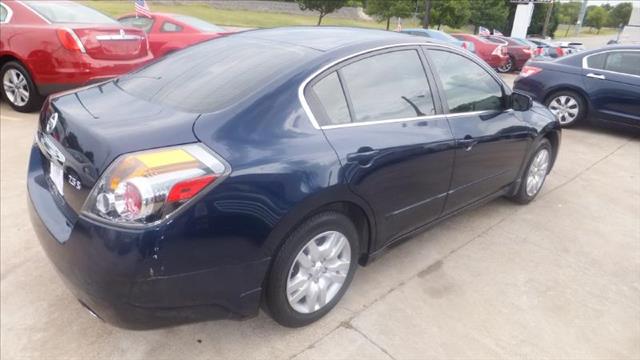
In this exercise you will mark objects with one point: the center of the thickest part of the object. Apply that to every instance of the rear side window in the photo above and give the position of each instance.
(142, 22)
(596, 61)
(4, 13)
(170, 27)
(388, 86)
(220, 73)
(626, 62)
(467, 86)
(329, 93)
(69, 12)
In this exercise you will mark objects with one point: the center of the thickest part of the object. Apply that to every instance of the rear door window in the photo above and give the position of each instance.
(392, 85)
(467, 86)
(626, 62)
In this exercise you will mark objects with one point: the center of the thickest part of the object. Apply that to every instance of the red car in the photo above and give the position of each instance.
(171, 32)
(50, 46)
(519, 53)
(494, 54)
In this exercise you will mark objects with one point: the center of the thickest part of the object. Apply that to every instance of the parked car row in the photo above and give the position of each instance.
(52, 46)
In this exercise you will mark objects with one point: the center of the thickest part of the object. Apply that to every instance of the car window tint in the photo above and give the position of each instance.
(467, 86)
(143, 23)
(596, 61)
(219, 74)
(198, 23)
(329, 92)
(3, 13)
(626, 62)
(170, 27)
(388, 86)
(69, 12)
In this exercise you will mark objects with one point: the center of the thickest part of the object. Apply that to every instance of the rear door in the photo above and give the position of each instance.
(612, 81)
(385, 123)
(491, 140)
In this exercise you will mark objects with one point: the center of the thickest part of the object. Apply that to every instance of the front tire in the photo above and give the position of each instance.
(535, 174)
(567, 106)
(18, 89)
(312, 270)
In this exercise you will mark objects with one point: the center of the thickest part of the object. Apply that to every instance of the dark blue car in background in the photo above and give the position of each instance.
(263, 167)
(602, 85)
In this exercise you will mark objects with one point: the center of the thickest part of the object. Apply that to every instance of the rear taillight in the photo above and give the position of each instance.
(146, 187)
(70, 40)
(464, 45)
(529, 70)
(559, 51)
(539, 51)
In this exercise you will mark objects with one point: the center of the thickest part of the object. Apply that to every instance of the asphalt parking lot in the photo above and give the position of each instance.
(559, 278)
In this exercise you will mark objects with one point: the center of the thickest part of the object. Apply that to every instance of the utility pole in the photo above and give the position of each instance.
(583, 10)
(545, 28)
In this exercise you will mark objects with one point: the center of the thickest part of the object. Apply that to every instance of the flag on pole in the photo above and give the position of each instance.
(496, 32)
(483, 31)
(142, 8)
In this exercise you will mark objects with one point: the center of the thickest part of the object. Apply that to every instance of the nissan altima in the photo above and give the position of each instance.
(260, 169)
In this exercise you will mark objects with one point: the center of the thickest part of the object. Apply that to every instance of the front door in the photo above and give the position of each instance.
(396, 150)
(491, 141)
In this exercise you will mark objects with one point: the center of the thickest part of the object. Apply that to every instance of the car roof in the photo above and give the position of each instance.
(327, 38)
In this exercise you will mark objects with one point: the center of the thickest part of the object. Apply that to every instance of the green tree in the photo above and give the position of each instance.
(491, 14)
(620, 14)
(538, 16)
(453, 13)
(384, 10)
(597, 17)
(324, 7)
(568, 14)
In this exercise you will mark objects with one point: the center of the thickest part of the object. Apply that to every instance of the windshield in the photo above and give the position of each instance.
(442, 36)
(69, 12)
(213, 75)
(198, 24)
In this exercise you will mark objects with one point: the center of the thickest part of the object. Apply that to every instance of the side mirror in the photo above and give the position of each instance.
(520, 101)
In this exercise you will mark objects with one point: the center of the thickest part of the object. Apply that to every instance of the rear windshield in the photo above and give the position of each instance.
(198, 24)
(442, 36)
(212, 75)
(69, 12)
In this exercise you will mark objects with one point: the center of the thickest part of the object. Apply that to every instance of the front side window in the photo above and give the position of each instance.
(199, 24)
(170, 27)
(69, 12)
(143, 23)
(329, 93)
(467, 86)
(626, 62)
(388, 86)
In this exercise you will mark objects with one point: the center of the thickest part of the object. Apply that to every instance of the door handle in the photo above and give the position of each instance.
(363, 156)
(468, 142)
(596, 76)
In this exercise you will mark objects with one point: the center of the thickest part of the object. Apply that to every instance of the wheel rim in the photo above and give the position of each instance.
(537, 172)
(318, 272)
(565, 108)
(16, 87)
(506, 67)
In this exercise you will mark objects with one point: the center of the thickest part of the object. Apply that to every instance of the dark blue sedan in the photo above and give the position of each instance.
(263, 167)
(602, 85)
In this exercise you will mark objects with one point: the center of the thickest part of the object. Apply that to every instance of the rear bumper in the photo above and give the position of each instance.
(121, 276)
(83, 71)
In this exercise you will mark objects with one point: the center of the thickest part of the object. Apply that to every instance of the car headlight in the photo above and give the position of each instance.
(144, 188)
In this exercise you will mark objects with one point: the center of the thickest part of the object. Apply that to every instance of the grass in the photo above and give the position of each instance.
(585, 31)
(239, 18)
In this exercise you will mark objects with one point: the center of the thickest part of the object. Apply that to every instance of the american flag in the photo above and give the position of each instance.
(142, 8)
(483, 31)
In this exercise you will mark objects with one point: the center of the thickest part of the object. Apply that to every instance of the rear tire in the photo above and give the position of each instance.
(18, 89)
(535, 173)
(568, 107)
(301, 292)
(509, 66)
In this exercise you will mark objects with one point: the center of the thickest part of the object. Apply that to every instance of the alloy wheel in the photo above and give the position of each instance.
(565, 108)
(318, 272)
(537, 172)
(507, 66)
(16, 87)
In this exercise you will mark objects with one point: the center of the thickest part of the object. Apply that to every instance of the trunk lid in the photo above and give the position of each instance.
(112, 42)
(94, 126)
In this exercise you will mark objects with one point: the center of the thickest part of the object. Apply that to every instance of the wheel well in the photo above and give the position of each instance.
(554, 139)
(6, 58)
